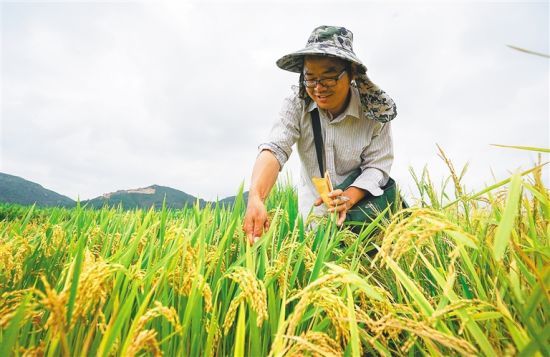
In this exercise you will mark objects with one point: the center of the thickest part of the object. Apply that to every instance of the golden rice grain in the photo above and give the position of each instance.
(169, 313)
(58, 241)
(56, 304)
(10, 302)
(182, 277)
(144, 340)
(13, 253)
(94, 284)
(391, 323)
(35, 351)
(314, 343)
(417, 227)
(330, 302)
(213, 323)
(115, 242)
(232, 312)
(253, 290)
(214, 256)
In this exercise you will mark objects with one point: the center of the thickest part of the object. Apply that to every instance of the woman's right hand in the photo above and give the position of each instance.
(255, 219)
(339, 202)
(264, 176)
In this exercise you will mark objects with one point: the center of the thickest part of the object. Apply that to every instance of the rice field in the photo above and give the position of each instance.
(456, 274)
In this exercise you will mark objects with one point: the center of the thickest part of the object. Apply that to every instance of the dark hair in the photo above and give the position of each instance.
(350, 68)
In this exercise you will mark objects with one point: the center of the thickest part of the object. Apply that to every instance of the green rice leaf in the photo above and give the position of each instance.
(479, 337)
(76, 269)
(354, 332)
(529, 148)
(403, 279)
(504, 229)
(493, 187)
(8, 337)
(240, 334)
(486, 315)
(356, 281)
(462, 238)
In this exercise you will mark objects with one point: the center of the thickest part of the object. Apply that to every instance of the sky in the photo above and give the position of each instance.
(99, 96)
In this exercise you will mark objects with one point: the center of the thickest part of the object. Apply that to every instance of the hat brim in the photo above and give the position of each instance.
(294, 61)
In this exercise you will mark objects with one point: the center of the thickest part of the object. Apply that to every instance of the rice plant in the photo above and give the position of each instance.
(455, 274)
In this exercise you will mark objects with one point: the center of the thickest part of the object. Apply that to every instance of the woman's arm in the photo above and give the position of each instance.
(273, 155)
(377, 159)
(264, 175)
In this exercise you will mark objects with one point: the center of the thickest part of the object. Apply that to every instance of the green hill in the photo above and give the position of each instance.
(17, 190)
(228, 201)
(145, 198)
(14, 189)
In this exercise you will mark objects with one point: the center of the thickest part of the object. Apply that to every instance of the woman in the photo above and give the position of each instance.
(354, 117)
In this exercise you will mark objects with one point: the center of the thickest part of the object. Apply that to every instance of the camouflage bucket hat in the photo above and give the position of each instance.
(327, 41)
(338, 42)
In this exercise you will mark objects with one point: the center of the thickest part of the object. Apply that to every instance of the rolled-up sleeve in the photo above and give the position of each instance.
(376, 162)
(284, 132)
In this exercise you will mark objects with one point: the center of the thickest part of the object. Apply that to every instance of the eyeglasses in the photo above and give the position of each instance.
(325, 82)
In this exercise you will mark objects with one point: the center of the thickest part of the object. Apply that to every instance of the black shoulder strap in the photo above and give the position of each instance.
(318, 137)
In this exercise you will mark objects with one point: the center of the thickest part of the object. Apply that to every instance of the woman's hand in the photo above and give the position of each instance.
(255, 219)
(339, 202)
(264, 175)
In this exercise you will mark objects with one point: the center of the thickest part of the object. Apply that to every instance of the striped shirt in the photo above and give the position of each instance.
(350, 140)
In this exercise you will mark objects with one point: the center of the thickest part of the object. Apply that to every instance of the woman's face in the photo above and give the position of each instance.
(333, 99)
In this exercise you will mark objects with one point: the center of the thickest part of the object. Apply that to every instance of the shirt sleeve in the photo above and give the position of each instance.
(376, 161)
(285, 132)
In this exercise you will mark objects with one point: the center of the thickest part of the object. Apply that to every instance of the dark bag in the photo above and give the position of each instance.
(370, 206)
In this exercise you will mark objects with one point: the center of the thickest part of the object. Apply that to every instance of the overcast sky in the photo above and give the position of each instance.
(101, 96)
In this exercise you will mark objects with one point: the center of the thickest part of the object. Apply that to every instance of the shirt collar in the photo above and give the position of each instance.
(352, 109)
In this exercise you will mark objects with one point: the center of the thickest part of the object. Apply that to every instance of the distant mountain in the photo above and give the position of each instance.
(145, 198)
(231, 199)
(14, 189)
